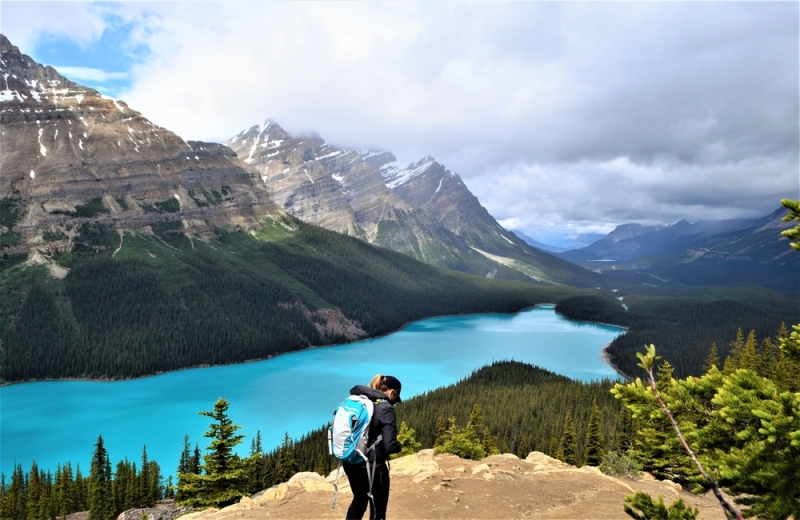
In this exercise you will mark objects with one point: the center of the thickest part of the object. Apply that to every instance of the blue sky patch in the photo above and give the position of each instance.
(104, 65)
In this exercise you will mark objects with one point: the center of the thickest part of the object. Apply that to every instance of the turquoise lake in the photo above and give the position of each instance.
(57, 421)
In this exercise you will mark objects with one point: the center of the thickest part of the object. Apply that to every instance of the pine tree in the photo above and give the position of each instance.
(552, 449)
(405, 436)
(256, 465)
(195, 461)
(35, 491)
(101, 502)
(223, 480)
(732, 361)
(713, 359)
(441, 432)
(767, 358)
(749, 436)
(595, 444)
(146, 494)
(81, 490)
(568, 446)
(169, 489)
(749, 358)
(183, 463)
(664, 375)
(286, 463)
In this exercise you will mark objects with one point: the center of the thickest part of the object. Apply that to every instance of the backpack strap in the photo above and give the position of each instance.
(371, 471)
(370, 474)
(336, 485)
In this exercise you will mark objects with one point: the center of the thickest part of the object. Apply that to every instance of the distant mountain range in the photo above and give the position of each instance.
(539, 245)
(724, 252)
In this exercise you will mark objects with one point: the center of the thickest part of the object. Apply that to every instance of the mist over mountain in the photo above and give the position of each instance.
(539, 245)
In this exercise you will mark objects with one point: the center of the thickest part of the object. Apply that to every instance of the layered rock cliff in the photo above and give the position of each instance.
(70, 155)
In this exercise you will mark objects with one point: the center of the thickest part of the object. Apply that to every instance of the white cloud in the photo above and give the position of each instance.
(90, 74)
(28, 21)
(569, 115)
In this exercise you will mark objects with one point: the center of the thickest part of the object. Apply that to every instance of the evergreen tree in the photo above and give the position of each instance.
(286, 463)
(552, 449)
(101, 501)
(471, 442)
(732, 361)
(146, 492)
(664, 378)
(195, 461)
(741, 425)
(184, 461)
(441, 432)
(489, 442)
(256, 466)
(405, 436)
(649, 509)
(223, 480)
(169, 489)
(35, 491)
(767, 358)
(568, 446)
(595, 444)
(749, 358)
(713, 359)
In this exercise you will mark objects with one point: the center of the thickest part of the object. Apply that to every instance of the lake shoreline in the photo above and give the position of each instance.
(603, 353)
(55, 422)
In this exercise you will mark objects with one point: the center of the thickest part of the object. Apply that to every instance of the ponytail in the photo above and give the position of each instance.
(378, 383)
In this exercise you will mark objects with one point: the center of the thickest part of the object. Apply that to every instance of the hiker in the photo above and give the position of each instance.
(384, 391)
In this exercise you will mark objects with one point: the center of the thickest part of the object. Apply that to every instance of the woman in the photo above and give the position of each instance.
(384, 391)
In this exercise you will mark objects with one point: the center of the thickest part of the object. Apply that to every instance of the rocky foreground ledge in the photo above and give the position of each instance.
(425, 485)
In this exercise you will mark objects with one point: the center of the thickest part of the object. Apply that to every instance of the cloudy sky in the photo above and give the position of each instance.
(564, 118)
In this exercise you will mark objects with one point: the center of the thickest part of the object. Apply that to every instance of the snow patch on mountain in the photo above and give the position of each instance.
(395, 176)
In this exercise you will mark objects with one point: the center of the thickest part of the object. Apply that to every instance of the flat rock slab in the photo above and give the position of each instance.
(425, 485)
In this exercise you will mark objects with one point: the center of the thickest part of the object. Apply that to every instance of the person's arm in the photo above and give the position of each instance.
(388, 421)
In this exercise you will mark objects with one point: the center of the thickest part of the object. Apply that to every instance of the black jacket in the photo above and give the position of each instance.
(384, 423)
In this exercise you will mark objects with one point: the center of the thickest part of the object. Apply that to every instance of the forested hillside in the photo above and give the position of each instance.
(138, 303)
(683, 323)
(523, 406)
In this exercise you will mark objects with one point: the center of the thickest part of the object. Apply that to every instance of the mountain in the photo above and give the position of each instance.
(69, 152)
(725, 252)
(631, 242)
(126, 250)
(538, 245)
(423, 209)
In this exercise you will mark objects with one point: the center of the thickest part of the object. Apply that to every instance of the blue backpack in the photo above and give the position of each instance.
(347, 437)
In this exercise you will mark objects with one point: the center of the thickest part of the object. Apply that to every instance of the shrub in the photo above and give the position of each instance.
(620, 465)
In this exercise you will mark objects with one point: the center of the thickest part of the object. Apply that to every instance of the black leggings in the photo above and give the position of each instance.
(359, 483)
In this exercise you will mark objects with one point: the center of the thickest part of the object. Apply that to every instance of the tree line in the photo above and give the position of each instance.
(41, 495)
(683, 323)
(232, 300)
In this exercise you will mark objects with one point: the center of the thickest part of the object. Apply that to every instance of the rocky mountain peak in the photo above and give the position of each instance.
(394, 175)
(64, 145)
(20, 67)
(421, 209)
(268, 135)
